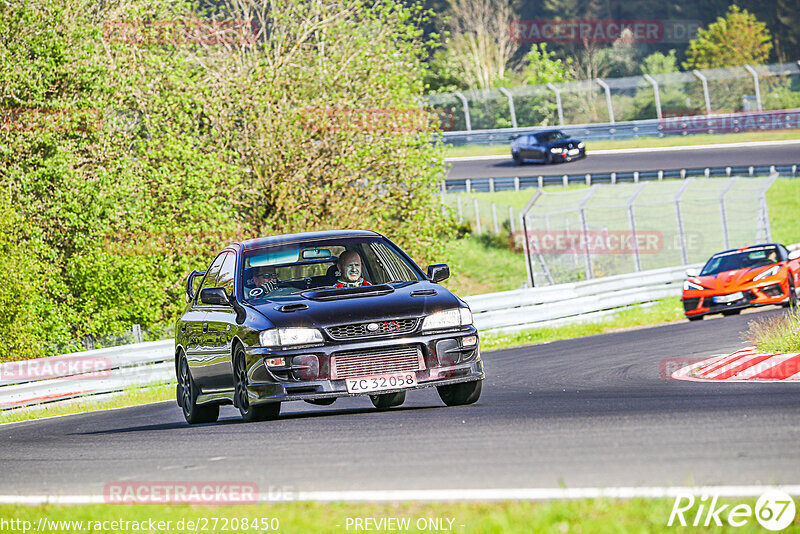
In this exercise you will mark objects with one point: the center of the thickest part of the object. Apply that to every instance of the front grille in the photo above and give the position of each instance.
(379, 328)
(376, 362)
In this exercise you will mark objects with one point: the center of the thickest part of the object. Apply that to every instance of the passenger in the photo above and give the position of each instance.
(349, 266)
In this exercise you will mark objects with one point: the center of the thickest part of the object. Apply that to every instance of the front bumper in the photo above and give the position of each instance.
(445, 362)
(697, 303)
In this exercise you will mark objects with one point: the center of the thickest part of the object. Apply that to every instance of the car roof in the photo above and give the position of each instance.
(547, 132)
(305, 236)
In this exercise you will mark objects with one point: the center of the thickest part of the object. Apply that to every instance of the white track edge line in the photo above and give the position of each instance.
(444, 495)
(648, 149)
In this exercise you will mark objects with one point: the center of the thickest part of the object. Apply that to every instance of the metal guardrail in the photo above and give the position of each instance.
(685, 125)
(109, 370)
(515, 183)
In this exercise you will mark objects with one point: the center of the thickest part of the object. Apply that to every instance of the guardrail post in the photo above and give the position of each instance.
(728, 172)
(558, 103)
(707, 172)
(751, 170)
(656, 94)
(636, 177)
(464, 103)
(565, 180)
(725, 237)
(541, 181)
(752, 71)
(516, 183)
(704, 81)
(468, 185)
(588, 179)
(511, 109)
(477, 215)
(494, 219)
(607, 89)
(661, 176)
(613, 178)
(491, 185)
(681, 236)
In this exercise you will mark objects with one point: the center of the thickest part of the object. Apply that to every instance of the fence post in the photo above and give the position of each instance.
(137, 333)
(494, 219)
(558, 103)
(704, 81)
(585, 231)
(477, 215)
(511, 219)
(637, 263)
(725, 237)
(464, 103)
(656, 94)
(460, 209)
(510, 106)
(607, 89)
(681, 236)
(752, 71)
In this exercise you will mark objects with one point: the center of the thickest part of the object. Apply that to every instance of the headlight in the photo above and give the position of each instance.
(277, 337)
(581, 145)
(556, 150)
(769, 272)
(447, 319)
(687, 285)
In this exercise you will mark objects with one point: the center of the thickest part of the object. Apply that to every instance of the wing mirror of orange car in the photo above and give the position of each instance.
(692, 272)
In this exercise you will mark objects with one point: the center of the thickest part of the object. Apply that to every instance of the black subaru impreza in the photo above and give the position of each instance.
(316, 316)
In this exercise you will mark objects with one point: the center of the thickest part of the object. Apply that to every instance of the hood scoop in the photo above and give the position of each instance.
(288, 308)
(349, 292)
(423, 293)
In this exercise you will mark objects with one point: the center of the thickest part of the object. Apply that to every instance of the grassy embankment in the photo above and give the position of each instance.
(585, 515)
(644, 142)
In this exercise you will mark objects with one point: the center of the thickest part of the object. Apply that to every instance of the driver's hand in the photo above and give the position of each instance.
(269, 287)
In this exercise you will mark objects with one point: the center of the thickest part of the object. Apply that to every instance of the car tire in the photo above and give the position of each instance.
(728, 313)
(792, 302)
(249, 412)
(460, 394)
(548, 158)
(517, 158)
(695, 317)
(187, 398)
(388, 400)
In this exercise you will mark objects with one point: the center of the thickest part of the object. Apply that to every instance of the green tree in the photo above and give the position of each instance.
(658, 63)
(540, 66)
(739, 38)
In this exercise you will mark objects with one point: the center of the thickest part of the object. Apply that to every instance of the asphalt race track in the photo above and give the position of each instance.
(590, 412)
(781, 154)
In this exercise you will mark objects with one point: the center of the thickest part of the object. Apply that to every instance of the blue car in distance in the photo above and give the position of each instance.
(549, 146)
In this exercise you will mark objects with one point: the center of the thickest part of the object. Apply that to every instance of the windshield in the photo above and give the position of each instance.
(547, 137)
(745, 259)
(285, 270)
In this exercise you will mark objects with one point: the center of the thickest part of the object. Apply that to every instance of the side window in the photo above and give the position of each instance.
(210, 279)
(226, 273)
(783, 253)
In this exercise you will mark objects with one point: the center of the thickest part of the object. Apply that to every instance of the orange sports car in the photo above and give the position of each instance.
(741, 278)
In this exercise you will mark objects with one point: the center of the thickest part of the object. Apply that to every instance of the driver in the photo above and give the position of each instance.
(349, 266)
(265, 278)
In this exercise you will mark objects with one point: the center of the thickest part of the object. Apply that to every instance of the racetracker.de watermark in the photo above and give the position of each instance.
(73, 365)
(692, 121)
(182, 492)
(593, 241)
(603, 31)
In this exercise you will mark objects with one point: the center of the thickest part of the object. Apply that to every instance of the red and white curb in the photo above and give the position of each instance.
(746, 365)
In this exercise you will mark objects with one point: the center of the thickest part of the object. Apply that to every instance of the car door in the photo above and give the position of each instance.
(221, 328)
(201, 355)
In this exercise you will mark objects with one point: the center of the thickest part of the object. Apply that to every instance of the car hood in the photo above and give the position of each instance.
(730, 280)
(414, 299)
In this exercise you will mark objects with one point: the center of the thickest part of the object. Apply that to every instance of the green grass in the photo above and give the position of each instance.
(661, 311)
(644, 142)
(574, 516)
(783, 204)
(131, 397)
(780, 333)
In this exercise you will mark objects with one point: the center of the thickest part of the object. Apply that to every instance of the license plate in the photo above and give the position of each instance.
(573, 151)
(733, 297)
(368, 384)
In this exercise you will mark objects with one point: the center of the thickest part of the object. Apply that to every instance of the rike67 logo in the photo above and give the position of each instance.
(774, 510)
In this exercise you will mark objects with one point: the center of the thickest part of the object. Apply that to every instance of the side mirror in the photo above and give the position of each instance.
(215, 296)
(438, 272)
(190, 284)
(692, 272)
(793, 255)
